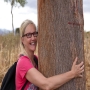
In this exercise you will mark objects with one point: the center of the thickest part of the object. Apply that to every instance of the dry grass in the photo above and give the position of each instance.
(9, 50)
(87, 58)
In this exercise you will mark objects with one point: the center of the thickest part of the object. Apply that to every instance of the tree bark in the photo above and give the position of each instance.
(61, 38)
(12, 18)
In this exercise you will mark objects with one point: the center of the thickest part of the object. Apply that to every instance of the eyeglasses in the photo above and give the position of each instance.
(29, 35)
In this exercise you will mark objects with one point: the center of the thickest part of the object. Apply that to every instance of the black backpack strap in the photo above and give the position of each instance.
(36, 60)
(24, 85)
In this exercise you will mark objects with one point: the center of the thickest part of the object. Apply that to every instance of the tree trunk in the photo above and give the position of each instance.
(61, 38)
(12, 19)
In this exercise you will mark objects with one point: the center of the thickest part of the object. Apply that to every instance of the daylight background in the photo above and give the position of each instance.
(30, 12)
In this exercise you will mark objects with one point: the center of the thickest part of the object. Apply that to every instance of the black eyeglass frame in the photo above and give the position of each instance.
(29, 35)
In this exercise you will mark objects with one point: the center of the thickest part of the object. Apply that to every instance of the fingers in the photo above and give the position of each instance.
(78, 68)
(81, 72)
(80, 75)
(74, 63)
(81, 68)
(80, 65)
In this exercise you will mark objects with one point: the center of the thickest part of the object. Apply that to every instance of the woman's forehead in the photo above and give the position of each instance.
(30, 28)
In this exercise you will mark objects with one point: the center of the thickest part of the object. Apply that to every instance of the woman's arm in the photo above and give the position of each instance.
(35, 77)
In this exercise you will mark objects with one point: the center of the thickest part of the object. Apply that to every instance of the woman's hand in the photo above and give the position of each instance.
(77, 69)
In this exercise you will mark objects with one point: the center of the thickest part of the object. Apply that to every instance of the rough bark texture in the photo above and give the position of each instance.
(61, 38)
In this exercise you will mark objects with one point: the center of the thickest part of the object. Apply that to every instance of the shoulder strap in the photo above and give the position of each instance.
(36, 60)
(24, 85)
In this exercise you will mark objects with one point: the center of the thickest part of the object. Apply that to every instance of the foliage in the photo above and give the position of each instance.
(16, 2)
(17, 31)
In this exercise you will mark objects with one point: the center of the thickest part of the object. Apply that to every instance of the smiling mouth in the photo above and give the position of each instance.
(33, 43)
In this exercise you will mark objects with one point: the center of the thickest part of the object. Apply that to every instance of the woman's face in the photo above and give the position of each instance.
(29, 38)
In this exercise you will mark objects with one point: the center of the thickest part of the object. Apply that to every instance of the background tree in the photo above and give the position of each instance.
(17, 31)
(61, 38)
(15, 3)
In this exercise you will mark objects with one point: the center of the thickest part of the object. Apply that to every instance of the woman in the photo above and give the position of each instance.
(26, 67)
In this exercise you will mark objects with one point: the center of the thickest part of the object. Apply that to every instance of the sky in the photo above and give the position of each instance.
(30, 12)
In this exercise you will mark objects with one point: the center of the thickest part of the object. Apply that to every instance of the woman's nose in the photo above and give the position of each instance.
(32, 37)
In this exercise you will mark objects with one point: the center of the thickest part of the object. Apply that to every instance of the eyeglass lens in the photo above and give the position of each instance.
(29, 35)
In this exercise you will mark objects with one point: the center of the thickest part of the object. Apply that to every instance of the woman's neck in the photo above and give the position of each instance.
(30, 54)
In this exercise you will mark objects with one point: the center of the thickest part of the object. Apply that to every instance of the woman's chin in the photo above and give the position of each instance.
(33, 49)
